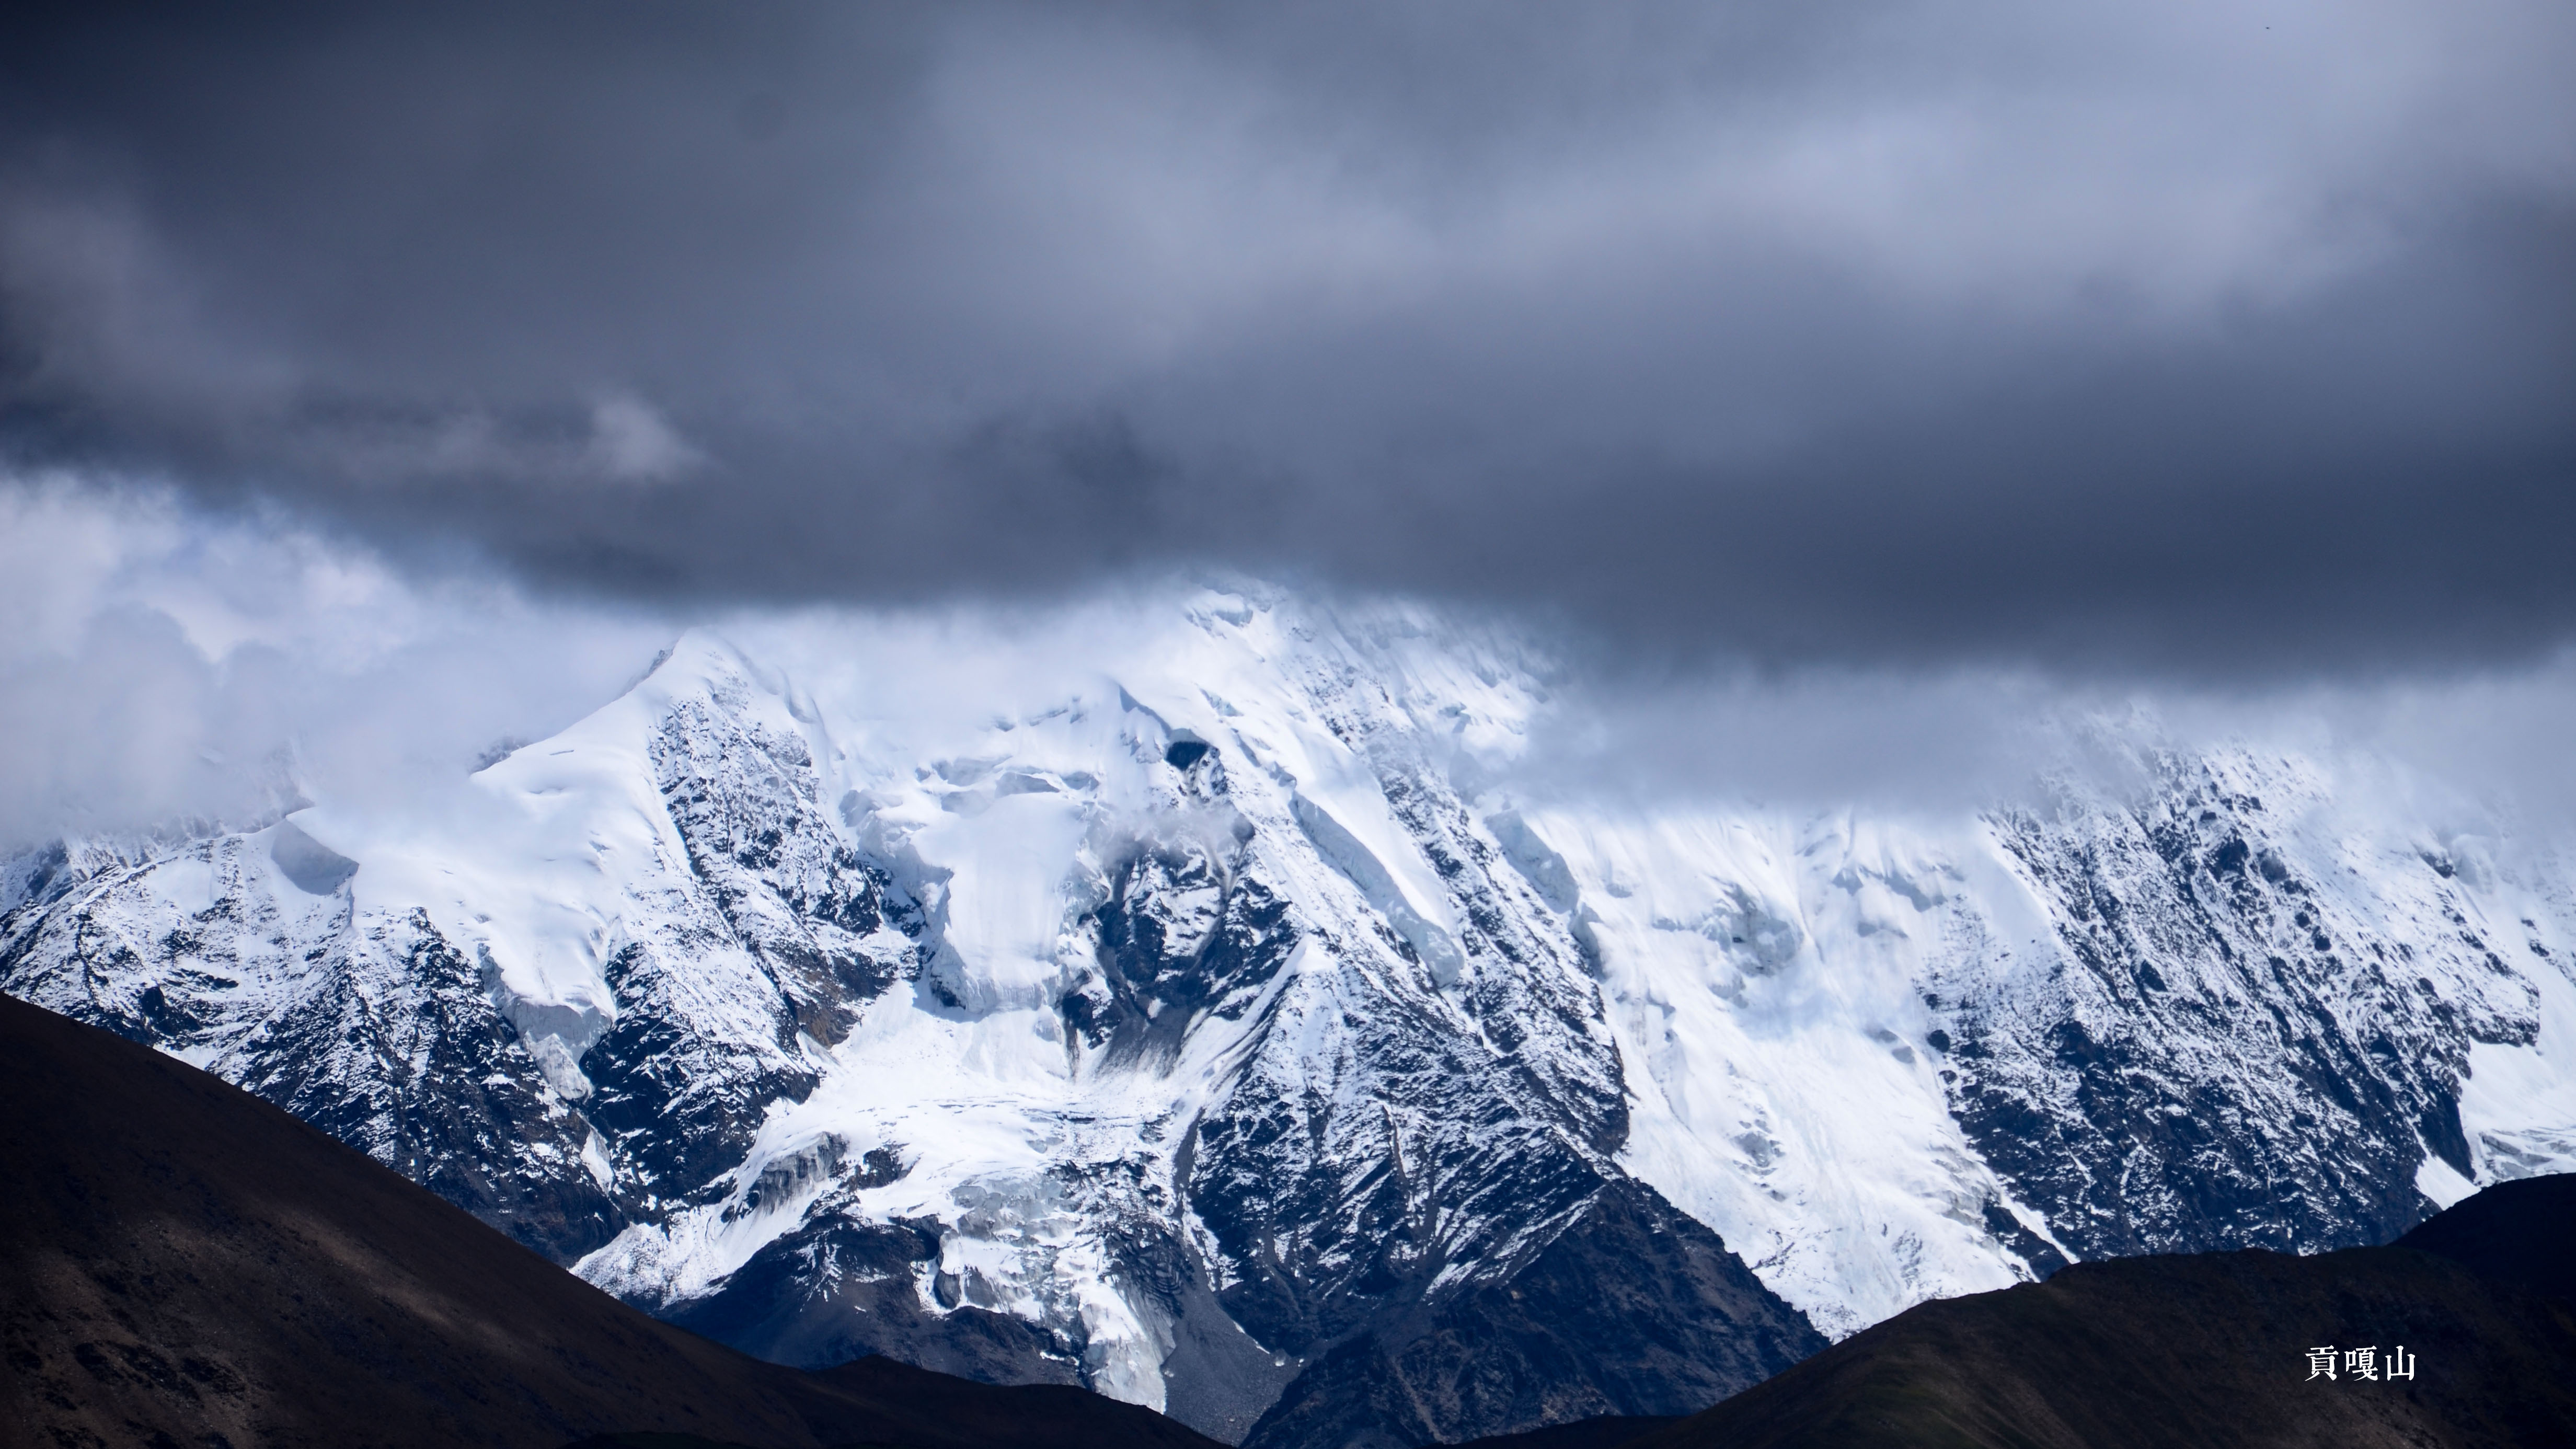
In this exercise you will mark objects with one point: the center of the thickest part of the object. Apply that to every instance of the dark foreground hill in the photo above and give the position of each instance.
(2211, 1351)
(2202, 1351)
(183, 1264)
(2521, 1233)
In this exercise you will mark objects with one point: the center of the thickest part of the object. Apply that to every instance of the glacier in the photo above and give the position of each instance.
(1191, 1006)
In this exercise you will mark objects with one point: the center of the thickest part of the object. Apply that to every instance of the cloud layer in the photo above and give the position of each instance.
(2210, 341)
(162, 668)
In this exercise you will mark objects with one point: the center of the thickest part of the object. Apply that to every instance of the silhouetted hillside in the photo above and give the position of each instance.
(181, 1263)
(2519, 1233)
(2204, 1351)
(1605, 1432)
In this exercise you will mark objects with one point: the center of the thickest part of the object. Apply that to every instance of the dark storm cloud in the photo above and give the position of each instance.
(2232, 338)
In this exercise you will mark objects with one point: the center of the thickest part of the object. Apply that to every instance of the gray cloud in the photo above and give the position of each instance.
(2210, 340)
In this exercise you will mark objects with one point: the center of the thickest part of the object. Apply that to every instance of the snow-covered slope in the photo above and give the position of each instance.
(1890, 1064)
(1212, 1029)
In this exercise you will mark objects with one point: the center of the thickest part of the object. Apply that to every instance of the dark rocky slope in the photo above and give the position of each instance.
(1588, 1328)
(2521, 1233)
(2210, 1351)
(182, 1263)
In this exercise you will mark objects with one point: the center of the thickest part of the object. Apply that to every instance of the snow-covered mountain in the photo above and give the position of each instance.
(1219, 1031)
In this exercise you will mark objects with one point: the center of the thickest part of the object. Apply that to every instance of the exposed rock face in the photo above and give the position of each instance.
(837, 1289)
(796, 895)
(1633, 1309)
(1210, 1038)
(2239, 1044)
(378, 1030)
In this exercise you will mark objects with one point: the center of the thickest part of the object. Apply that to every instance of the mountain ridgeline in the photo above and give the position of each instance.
(1228, 1037)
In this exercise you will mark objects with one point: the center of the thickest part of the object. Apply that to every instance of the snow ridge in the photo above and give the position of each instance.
(1207, 1035)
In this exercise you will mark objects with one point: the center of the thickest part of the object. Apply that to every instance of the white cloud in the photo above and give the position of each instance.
(158, 663)
(631, 443)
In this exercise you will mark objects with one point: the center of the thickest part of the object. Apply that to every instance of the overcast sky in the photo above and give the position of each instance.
(2199, 338)
(2195, 346)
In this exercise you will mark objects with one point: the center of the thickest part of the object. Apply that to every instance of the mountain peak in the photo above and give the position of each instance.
(1170, 1001)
